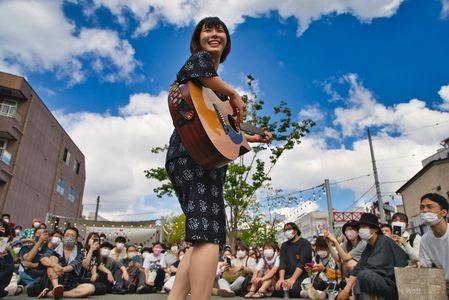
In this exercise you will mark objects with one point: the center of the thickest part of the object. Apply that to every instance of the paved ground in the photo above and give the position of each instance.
(119, 297)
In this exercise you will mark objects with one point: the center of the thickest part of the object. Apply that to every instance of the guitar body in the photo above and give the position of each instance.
(205, 125)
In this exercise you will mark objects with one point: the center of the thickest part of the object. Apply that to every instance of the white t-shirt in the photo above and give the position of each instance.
(153, 263)
(261, 264)
(434, 250)
(246, 262)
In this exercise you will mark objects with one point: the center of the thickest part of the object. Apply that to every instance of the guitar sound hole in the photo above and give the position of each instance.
(233, 123)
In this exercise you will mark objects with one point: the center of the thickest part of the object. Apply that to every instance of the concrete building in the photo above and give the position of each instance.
(432, 178)
(41, 169)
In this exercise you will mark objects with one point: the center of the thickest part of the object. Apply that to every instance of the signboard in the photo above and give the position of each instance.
(347, 216)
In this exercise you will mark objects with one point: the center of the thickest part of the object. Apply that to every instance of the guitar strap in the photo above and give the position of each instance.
(182, 107)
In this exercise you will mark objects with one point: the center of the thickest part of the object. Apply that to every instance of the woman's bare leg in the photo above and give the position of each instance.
(203, 267)
(181, 287)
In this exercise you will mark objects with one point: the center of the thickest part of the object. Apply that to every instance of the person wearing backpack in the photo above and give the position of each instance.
(409, 242)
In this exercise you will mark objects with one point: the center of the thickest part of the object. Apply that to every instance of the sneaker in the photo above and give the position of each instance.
(20, 289)
(3, 293)
(132, 288)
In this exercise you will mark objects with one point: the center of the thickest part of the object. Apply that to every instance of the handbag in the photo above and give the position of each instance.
(318, 283)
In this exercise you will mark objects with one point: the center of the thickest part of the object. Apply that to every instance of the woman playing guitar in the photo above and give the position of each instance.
(200, 191)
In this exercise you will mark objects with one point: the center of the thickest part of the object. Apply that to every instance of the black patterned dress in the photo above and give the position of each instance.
(200, 192)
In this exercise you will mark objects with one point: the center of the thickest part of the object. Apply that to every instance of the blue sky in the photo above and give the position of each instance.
(104, 67)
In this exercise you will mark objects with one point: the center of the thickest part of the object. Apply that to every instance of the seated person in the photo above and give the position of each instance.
(133, 265)
(152, 278)
(6, 261)
(234, 275)
(29, 233)
(171, 256)
(111, 272)
(119, 251)
(63, 269)
(435, 242)
(351, 249)
(374, 273)
(91, 261)
(409, 242)
(323, 266)
(172, 270)
(31, 271)
(294, 255)
(264, 276)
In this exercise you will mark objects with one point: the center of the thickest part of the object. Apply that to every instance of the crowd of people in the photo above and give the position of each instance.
(359, 263)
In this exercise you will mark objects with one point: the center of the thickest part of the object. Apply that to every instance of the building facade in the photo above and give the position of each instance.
(41, 169)
(432, 178)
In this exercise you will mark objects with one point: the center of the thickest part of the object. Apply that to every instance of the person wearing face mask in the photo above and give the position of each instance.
(374, 273)
(324, 266)
(91, 262)
(30, 232)
(14, 288)
(410, 242)
(234, 275)
(263, 279)
(152, 278)
(133, 265)
(351, 249)
(294, 255)
(111, 272)
(64, 264)
(119, 251)
(168, 285)
(9, 227)
(434, 248)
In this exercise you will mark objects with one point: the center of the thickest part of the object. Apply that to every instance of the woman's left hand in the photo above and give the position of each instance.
(259, 138)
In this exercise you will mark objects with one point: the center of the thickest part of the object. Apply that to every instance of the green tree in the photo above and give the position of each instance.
(247, 174)
(174, 229)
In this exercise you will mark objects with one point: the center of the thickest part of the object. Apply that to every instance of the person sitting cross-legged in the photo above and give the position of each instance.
(63, 268)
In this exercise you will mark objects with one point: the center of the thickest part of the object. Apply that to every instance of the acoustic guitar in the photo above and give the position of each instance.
(206, 125)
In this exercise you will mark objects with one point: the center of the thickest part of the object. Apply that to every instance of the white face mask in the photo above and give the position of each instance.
(120, 246)
(365, 233)
(241, 253)
(289, 234)
(268, 253)
(36, 224)
(55, 241)
(105, 252)
(322, 253)
(430, 218)
(174, 249)
(17, 250)
(400, 224)
(132, 254)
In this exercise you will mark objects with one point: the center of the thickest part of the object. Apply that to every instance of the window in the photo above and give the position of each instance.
(76, 166)
(66, 156)
(72, 194)
(60, 187)
(8, 108)
(5, 156)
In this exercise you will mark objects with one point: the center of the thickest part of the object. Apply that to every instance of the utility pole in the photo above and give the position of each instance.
(330, 214)
(96, 209)
(380, 203)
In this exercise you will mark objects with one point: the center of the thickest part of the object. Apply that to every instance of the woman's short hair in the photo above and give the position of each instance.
(210, 22)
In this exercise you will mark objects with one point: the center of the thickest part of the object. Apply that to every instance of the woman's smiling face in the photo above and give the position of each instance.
(213, 40)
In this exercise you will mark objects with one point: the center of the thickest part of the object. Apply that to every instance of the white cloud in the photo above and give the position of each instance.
(37, 36)
(445, 9)
(312, 112)
(117, 150)
(149, 13)
(444, 94)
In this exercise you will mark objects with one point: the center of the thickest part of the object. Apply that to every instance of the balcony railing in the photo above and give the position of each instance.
(8, 110)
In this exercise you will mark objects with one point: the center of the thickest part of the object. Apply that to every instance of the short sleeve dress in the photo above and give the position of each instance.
(199, 191)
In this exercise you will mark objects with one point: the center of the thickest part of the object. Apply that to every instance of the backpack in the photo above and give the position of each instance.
(412, 238)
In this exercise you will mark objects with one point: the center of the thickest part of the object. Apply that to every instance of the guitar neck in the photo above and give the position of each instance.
(248, 128)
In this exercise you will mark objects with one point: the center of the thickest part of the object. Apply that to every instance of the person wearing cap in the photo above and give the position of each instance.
(351, 249)
(434, 248)
(374, 273)
(294, 255)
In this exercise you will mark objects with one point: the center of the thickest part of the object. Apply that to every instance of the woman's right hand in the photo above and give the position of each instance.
(343, 295)
(329, 236)
(238, 106)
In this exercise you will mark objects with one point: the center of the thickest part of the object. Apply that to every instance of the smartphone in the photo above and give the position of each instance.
(310, 264)
(228, 261)
(397, 230)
